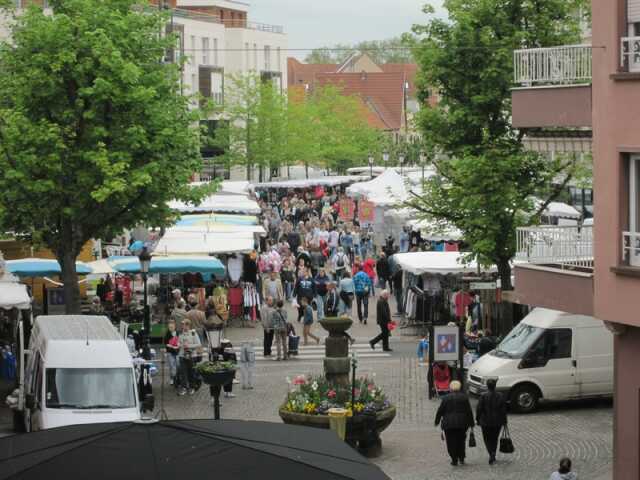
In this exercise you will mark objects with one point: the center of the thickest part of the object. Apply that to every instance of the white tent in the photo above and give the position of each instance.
(220, 204)
(180, 242)
(13, 294)
(442, 263)
(234, 188)
(329, 181)
(387, 189)
(561, 210)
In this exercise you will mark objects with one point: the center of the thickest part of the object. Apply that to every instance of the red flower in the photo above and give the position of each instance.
(299, 380)
(331, 393)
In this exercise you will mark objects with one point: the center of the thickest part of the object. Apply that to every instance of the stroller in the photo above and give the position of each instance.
(294, 340)
(441, 378)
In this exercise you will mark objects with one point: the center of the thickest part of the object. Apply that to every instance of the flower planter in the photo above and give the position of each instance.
(358, 433)
(218, 378)
(336, 325)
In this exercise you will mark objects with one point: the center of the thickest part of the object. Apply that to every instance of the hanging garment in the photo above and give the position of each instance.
(236, 301)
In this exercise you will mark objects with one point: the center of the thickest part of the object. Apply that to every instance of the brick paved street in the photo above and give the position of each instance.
(412, 446)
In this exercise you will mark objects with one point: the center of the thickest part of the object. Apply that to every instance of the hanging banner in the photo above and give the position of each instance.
(346, 209)
(366, 211)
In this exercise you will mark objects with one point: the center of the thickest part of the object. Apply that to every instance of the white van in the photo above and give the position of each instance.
(77, 370)
(550, 355)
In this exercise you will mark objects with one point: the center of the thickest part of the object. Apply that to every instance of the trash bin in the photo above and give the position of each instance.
(338, 421)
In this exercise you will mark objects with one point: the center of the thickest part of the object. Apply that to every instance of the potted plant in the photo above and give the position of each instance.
(216, 373)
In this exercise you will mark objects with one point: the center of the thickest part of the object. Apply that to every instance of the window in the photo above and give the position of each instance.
(193, 47)
(194, 83)
(255, 56)
(631, 239)
(215, 51)
(555, 344)
(518, 342)
(90, 388)
(279, 60)
(246, 55)
(205, 51)
(267, 58)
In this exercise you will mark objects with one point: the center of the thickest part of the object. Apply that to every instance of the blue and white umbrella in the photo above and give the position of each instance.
(41, 267)
(172, 264)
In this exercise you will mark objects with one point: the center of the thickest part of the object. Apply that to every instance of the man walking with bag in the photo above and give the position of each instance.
(491, 415)
(383, 314)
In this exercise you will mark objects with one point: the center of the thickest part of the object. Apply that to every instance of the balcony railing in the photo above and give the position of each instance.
(631, 248)
(218, 98)
(630, 53)
(568, 65)
(568, 247)
(263, 27)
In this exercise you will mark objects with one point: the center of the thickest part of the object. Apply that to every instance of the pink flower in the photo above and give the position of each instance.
(331, 393)
(371, 386)
(356, 392)
(300, 380)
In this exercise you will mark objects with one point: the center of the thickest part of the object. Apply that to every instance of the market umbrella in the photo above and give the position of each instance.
(227, 449)
(171, 264)
(41, 267)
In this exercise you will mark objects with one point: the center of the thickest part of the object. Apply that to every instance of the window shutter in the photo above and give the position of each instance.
(633, 11)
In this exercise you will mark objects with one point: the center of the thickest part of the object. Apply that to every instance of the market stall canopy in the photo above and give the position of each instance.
(387, 189)
(560, 210)
(329, 181)
(442, 263)
(41, 267)
(193, 220)
(185, 449)
(219, 204)
(214, 227)
(101, 267)
(176, 242)
(171, 264)
(234, 188)
(13, 294)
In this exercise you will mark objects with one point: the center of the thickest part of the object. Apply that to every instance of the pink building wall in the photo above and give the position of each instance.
(616, 133)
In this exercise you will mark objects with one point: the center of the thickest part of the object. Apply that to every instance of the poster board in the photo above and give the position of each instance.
(346, 209)
(366, 212)
(447, 344)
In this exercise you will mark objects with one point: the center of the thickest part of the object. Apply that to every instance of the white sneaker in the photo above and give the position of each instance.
(235, 381)
(229, 395)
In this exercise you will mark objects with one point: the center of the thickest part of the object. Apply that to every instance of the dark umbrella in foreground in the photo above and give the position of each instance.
(229, 449)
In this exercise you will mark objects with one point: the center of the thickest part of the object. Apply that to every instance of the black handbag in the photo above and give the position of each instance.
(506, 444)
(472, 439)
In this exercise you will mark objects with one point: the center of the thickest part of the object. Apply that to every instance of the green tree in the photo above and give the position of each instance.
(95, 136)
(256, 119)
(487, 179)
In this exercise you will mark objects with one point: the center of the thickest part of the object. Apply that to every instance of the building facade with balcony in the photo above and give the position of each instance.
(557, 93)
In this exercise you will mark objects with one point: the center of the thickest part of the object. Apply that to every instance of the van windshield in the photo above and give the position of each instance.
(86, 388)
(518, 341)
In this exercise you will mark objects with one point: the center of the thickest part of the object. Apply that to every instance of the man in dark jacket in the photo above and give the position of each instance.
(383, 314)
(457, 417)
(382, 269)
(486, 343)
(491, 415)
(305, 288)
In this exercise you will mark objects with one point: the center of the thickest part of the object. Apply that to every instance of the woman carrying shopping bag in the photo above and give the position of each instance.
(491, 415)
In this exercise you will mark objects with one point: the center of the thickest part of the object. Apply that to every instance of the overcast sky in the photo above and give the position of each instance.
(318, 23)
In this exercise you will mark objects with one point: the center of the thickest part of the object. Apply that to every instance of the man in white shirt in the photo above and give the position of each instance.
(334, 235)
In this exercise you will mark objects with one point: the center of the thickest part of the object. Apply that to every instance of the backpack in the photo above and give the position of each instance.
(340, 261)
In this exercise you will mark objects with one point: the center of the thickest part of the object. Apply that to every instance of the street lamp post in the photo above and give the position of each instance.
(371, 165)
(401, 161)
(385, 158)
(145, 263)
(423, 162)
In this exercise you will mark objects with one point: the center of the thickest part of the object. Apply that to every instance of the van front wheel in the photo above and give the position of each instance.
(524, 398)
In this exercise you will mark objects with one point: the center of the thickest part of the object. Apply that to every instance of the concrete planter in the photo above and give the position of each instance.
(359, 433)
(336, 325)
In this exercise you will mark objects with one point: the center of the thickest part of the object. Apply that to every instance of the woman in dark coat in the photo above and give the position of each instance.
(457, 417)
(491, 415)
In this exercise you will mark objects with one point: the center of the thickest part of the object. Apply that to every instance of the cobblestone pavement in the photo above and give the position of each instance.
(412, 448)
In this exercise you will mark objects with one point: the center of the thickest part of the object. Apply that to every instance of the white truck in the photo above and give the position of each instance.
(550, 355)
(77, 370)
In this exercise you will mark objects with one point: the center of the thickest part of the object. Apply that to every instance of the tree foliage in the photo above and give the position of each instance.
(267, 129)
(95, 136)
(392, 50)
(487, 179)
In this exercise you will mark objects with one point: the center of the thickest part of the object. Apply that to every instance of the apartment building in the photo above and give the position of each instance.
(588, 96)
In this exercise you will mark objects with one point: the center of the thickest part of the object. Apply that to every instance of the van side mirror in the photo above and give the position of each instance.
(30, 401)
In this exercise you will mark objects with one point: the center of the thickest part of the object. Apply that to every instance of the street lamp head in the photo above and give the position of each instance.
(385, 157)
(401, 158)
(371, 160)
(423, 158)
(145, 260)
